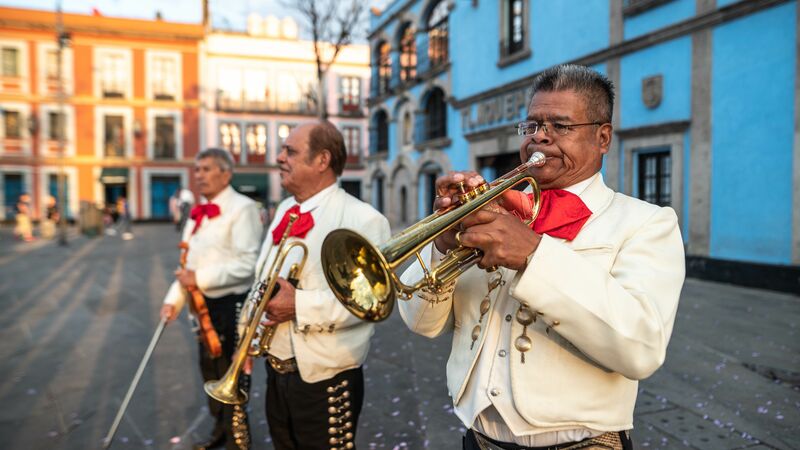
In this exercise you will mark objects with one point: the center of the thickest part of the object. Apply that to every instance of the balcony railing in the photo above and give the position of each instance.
(226, 104)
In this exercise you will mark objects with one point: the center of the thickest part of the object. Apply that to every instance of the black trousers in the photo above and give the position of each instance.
(470, 443)
(309, 416)
(229, 419)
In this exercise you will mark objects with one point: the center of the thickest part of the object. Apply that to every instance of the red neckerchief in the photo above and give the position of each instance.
(300, 228)
(209, 210)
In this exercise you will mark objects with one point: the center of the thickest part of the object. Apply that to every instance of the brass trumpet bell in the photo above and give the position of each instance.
(363, 277)
(358, 273)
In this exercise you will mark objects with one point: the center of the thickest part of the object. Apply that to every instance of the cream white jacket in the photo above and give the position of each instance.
(610, 297)
(325, 338)
(223, 250)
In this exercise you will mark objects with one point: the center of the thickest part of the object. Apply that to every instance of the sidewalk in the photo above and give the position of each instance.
(75, 321)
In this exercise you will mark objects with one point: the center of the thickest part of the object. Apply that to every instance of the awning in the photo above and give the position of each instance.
(114, 175)
(251, 184)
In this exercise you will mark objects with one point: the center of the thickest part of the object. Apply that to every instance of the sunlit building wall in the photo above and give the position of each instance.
(131, 110)
(261, 83)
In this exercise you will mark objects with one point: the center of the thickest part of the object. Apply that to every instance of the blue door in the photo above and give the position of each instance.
(11, 192)
(161, 189)
(53, 189)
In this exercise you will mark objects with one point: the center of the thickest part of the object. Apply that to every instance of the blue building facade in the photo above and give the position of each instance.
(706, 116)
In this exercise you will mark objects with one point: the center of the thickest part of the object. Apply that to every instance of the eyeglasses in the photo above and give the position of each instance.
(533, 127)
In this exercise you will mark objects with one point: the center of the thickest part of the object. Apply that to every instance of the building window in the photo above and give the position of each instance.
(283, 132)
(408, 129)
(437, 34)
(380, 130)
(256, 138)
(514, 31)
(384, 67)
(352, 141)
(408, 55)
(163, 76)
(10, 62)
(164, 144)
(655, 177)
(12, 125)
(113, 75)
(256, 90)
(351, 93)
(229, 88)
(230, 137)
(114, 136)
(377, 193)
(55, 126)
(435, 115)
(51, 65)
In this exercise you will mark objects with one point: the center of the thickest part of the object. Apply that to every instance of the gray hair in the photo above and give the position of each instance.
(222, 157)
(596, 88)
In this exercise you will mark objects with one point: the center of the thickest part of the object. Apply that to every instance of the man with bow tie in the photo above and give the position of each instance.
(223, 235)
(547, 350)
(315, 383)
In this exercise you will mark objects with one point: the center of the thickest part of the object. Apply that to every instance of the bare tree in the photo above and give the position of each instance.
(332, 24)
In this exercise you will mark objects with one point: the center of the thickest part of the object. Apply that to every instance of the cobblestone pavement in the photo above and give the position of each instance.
(75, 321)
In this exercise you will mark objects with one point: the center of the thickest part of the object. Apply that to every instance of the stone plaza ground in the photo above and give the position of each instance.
(75, 322)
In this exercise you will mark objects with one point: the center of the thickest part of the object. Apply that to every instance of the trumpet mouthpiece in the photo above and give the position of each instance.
(537, 159)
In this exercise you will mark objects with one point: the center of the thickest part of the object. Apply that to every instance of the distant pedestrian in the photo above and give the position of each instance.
(175, 208)
(186, 201)
(24, 227)
(52, 216)
(124, 220)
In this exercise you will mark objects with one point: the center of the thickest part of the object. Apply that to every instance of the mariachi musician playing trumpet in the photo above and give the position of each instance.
(220, 243)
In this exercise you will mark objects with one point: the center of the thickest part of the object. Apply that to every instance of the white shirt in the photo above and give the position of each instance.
(223, 250)
(281, 342)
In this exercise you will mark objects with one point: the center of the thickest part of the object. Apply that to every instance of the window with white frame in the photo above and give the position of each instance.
(164, 139)
(229, 88)
(114, 74)
(10, 61)
(55, 125)
(256, 90)
(51, 64)
(256, 139)
(352, 140)
(283, 132)
(114, 136)
(350, 88)
(164, 77)
(12, 124)
(230, 137)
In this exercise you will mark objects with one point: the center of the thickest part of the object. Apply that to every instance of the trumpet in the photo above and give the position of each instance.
(256, 338)
(363, 277)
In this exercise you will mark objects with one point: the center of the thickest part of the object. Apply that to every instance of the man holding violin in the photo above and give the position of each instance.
(220, 242)
(547, 349)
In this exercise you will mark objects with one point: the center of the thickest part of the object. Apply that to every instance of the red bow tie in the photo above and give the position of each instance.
(209, 210)
(561, 215)
(300, 228)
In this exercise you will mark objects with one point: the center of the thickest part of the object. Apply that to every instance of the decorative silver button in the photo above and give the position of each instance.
(495, 392)
(502, 353)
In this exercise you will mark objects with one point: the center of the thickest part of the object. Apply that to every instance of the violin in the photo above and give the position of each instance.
(205, 332)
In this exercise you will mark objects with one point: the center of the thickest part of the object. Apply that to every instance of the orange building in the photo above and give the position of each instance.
(130, 116)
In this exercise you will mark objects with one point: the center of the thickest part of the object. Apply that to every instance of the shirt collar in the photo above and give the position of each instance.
(317, 199)
(581, 186)
(222, 198)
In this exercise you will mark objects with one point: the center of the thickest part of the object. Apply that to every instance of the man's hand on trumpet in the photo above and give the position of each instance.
(446, 196)
(281, 307)
(502, 237)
